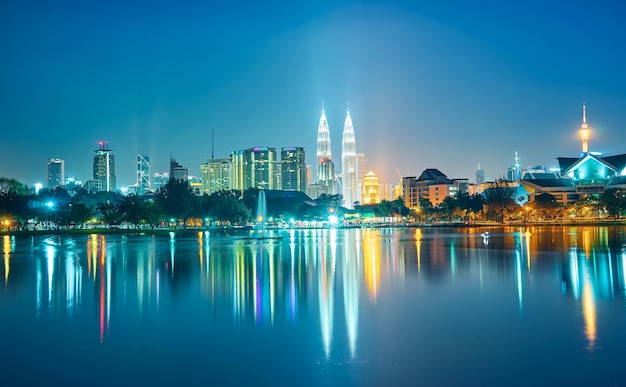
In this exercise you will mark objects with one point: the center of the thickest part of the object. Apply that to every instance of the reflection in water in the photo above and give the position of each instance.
(418, 248)
(371, 262)
(267, 282)
(518, 269)
(326, 284)
(589, 311)
(8, 245)
(351, 288)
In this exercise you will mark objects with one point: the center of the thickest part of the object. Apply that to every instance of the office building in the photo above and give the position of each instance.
(253, 168)
(55, 173)
(178, 172)
(215, 176)
(159, 180)
(480, 176)
(104, 167)
(293, 169)
(143, 174)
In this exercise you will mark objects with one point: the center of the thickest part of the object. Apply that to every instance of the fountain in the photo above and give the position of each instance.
(261, 215)
(260, 231)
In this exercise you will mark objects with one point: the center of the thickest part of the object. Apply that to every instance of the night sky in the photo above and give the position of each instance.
(430, 84)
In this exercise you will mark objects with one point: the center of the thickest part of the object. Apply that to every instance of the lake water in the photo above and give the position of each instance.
(368, 307)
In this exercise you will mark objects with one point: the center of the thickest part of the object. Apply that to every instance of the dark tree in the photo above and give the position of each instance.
(426, 209)
(399, 207)
(108, 213)
(131, 210)
(545, 206)
(384, 208)
(500, 199)
(79, 213)
(177, 200)
(228, 206)
(614, 201)
(470, 204)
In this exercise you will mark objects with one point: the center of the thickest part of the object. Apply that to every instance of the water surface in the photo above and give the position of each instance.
(519, 306)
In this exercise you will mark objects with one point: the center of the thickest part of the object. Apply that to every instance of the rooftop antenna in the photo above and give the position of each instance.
(212, 143)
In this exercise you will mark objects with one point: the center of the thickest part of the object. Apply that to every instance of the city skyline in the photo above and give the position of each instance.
(438, 86)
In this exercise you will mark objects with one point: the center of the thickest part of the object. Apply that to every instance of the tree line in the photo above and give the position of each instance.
(175, 204)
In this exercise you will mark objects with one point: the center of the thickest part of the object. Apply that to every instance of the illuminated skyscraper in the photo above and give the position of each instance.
(104, 167)
(325, 165)
(349, 164)
(55, 172)
(253, 168)
(143, 174)
(215, 175)
(293, 169)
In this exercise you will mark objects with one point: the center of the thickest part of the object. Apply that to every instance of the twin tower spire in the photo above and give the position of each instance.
(325, 166)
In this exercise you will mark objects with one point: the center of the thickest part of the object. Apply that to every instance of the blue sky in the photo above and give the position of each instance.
(442, 85)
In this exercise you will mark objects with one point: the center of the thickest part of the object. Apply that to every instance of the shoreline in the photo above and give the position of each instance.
(220, 230)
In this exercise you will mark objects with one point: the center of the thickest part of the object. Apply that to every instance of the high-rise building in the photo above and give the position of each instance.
(480, 175)
(253, 168)
(293, 169)
(159, 180)
(104, 166)
(178, 172)
(215, 175)
(143, 174)
(325, 165)
(56, 172)
(349, 164)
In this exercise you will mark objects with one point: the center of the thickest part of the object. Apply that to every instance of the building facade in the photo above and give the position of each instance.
(349, 164)
(55, 173)
(178, 172)
(253, 168)
(433, 185)
(215, 175)
(371, 189)
(578, 177)
(143, 174)
(159, 180)
(104, 167)
(293, 169)
(480, 175)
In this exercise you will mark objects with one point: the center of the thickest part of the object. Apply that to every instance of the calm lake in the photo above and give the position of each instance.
(368, 307)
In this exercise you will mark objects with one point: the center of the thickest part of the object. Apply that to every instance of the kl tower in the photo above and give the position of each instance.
(585, 131)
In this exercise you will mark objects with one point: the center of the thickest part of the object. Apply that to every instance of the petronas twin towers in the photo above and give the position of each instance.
(326, 168)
